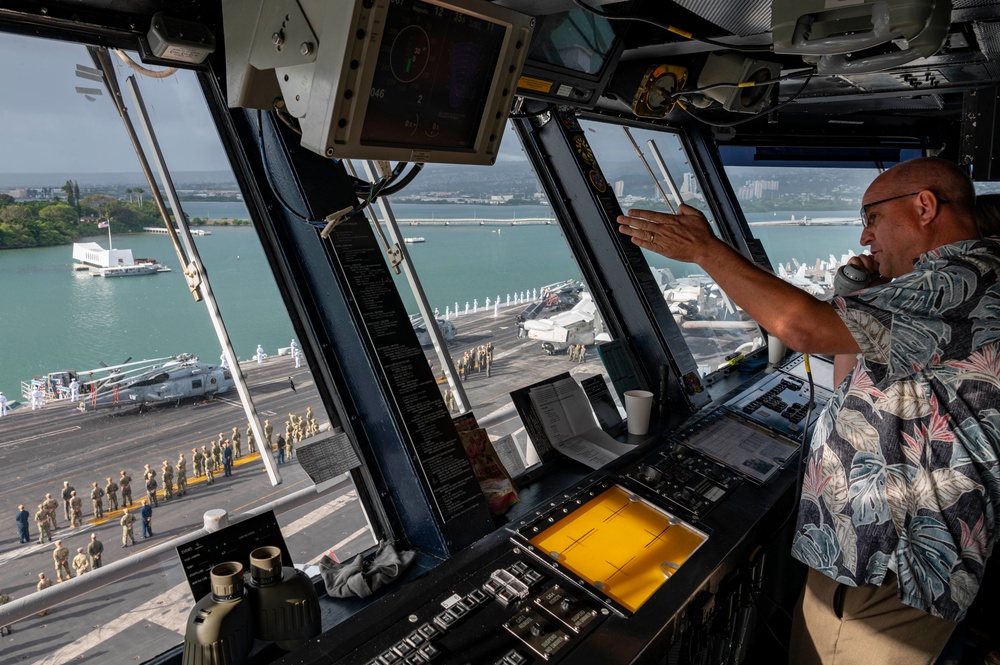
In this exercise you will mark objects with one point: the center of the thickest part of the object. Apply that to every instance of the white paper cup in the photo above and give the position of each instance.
(775, 350)
(638, 404)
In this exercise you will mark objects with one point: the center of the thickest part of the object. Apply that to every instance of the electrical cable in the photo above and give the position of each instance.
(672, 29)
(267, 174)
(285, 117)
(754, 116)
(743, 84)
(152, 73)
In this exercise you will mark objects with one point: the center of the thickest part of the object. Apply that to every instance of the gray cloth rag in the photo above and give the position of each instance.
(353, 578)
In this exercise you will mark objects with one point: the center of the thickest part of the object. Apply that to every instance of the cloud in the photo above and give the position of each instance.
(52, 128)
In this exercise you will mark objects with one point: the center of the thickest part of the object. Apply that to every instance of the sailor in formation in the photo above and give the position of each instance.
(95, 549)
(223, 363)
(126, 485)
(43, 524)
(97, 498)
(260, 354)
(182, 480)
(3, 404)
(36, 398)
(196, 459)
(60, 558)
(81, 562)
(74, 390)
(111, 491)
(127, 520)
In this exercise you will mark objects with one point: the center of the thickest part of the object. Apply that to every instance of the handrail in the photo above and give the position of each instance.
(23, 608)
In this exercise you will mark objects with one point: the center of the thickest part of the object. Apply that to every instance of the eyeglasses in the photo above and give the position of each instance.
(865, 220)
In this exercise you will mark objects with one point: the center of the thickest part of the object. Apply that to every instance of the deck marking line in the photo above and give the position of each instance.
(171, 608)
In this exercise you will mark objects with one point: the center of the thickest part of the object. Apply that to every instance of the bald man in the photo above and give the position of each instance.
(896, 519)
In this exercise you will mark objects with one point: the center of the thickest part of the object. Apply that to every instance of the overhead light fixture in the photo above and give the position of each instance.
(740, 80)
(887, 33)
(179, 41)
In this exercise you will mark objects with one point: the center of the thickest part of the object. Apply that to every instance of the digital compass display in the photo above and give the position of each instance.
(433, 76)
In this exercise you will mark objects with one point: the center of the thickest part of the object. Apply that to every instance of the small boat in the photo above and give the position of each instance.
(409, 240)
(126, 271)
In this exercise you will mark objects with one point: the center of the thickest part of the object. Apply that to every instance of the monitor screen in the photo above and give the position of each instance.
(577, 40)
(431, 78)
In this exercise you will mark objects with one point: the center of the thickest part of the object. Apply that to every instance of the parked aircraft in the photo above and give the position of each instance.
(180, 377)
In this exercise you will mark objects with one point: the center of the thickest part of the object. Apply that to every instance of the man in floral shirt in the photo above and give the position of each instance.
(902, 486)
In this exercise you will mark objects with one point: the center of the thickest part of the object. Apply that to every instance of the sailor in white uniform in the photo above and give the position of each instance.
(298, 358)
(36, 398)
(294, 347)
(260, 354)
(74, 390)
(222, 361)
(3, 404)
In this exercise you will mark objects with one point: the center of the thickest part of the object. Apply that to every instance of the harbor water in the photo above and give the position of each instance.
(56, 318)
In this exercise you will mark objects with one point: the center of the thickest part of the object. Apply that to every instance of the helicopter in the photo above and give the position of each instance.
(175, 379)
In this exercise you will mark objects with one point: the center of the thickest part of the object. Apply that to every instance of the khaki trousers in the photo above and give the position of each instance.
(836, 624)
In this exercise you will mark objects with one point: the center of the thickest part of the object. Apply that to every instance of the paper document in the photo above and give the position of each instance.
(570, 425)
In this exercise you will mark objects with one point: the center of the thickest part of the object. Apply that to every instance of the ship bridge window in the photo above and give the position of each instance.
(506, 290)
(805, 214)
(113, 331)
(712, 326)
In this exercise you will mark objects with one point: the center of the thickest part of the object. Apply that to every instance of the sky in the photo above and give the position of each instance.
(47, 127)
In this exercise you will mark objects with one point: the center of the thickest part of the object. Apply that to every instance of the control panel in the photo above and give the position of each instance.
(513, 614)
(780, 402)
(684, 480)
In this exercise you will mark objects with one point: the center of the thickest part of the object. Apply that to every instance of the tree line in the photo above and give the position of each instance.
(64, 221)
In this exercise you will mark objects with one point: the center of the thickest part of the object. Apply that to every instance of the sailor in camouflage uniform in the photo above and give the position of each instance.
(60, 557)
(127, 520)
(81, 562)
(126, 484)
(95, 550)
(198, 460)
(4, 599)
(44, 524)
(168, 480)
(111, 490)
(97, 499)
(43, 584)
(182, 478)
(51, 505)
(237, 444)
(250, 441)
(76, 507)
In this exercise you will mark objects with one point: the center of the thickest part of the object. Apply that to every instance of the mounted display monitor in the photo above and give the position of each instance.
(413, 80)
(572, 51)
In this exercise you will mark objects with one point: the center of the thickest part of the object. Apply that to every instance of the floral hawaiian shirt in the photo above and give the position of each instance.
(902, 472)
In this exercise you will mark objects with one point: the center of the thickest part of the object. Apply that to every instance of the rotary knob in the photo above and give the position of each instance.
(650, 473)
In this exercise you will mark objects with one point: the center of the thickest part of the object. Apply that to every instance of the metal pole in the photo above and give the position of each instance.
(197, 270)
(440, 348)
(663, 170)
(100, 58)
(656, 181)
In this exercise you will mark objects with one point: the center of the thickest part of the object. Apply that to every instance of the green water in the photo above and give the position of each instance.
(54, 318)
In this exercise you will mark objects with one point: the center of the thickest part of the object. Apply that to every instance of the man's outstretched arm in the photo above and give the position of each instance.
(801, 321)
